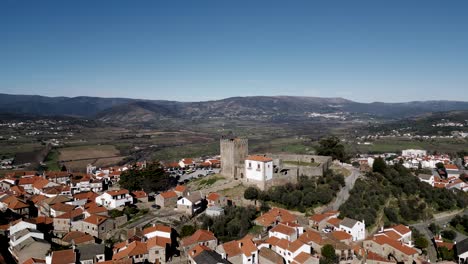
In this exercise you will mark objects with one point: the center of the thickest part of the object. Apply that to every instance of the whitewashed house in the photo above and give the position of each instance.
(429, 178)
(258, 170)
(114, 199)
(356, 229)
(157, 231)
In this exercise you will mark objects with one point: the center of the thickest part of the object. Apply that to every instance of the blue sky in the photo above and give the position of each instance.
(366, 51)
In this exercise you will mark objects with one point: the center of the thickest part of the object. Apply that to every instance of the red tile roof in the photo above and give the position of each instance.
(258, 158)
(133, 249)
(169, 194)
(199, 236)
(158, 241)
(213, 197)
(341, 235)
(117, 192)
(139, 194)
(95, 219)
(197, 250)
(283, 229)
(180, 188)
(63, 256)
(161, 228)
(275, 214)
(381, 240)
(376, 257)
(401, 229)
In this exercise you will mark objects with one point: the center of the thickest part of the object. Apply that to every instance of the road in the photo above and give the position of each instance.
(343, 194)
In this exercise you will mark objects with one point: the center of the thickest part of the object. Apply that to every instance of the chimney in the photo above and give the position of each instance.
(381, 229)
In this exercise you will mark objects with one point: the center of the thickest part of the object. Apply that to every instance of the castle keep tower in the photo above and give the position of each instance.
(233, 151)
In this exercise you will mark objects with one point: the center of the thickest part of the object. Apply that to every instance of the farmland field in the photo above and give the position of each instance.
(76, 158)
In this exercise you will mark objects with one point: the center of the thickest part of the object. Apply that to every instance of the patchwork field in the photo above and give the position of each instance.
(76, 158)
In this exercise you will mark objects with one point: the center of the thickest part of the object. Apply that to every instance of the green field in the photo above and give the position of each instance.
(396, 145)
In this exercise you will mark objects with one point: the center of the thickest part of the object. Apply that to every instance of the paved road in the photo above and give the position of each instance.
(343, 194)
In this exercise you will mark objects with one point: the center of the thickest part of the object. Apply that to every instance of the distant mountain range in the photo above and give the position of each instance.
(134, 110)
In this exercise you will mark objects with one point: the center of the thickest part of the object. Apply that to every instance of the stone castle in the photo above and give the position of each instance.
(286, 167)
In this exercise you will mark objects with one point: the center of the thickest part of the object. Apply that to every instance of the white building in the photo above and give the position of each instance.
(413, 153)
(356, 229)
(258, 170)
(114, 199)
(157, 231)
(429, 178)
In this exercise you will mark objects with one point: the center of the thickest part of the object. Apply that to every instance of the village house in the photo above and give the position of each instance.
(286, 230)
(258, 170)
(60, 177)
(356, 229)
(273, 217)
(26, 241)
(191, 204)
(180, 190)
(200, 237)
(384, 246)
(40, 185)
(64, 222)
(159, 249)
(158, 231)
(77, 238)
(67, 256)
(44, 206)
(14, 204)
(114, 199)
(214, 211)
(166, 199)
(429, 178)
(139, 196)
(95, 225)
(243, 251)
(186, 163)
(204, 255)
(318, 221)
(215, 199)
(91, 253)
(136, 251)
(400, 233)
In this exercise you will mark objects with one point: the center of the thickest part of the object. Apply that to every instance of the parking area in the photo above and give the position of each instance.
(188, 175)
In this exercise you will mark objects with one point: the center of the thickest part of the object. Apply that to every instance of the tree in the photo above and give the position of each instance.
(421, 242)
(440, 165)
(448, 234)
(187, 230)
(251, 193)
(434, 228)
(445, 254)
(328, 254)
(379, 165)
(331, 146)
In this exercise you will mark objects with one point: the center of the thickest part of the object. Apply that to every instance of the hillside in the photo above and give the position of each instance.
(245, 108)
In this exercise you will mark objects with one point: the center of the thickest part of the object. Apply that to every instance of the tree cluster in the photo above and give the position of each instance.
(308, 192)
(331, 146)
(234, 224)
(151, 179)
(415, 200)
(460, 223)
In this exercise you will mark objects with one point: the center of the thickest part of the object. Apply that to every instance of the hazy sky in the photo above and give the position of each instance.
(198, 50)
